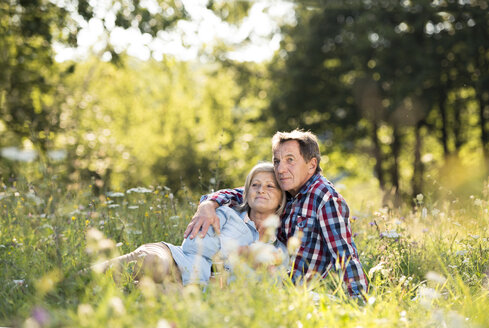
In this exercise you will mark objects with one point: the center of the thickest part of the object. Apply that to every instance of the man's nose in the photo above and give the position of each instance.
(280, 168)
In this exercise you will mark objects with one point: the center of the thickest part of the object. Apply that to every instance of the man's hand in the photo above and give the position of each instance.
(203, 218)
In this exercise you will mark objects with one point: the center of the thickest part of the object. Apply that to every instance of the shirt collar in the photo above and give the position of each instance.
(246, 217)
(304, 189)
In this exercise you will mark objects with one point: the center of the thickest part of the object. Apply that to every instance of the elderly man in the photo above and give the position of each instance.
(314, 210)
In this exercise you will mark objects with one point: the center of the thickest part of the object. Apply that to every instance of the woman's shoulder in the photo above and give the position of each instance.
(229, 211)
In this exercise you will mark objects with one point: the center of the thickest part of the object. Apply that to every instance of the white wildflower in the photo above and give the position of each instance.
(94, 234)
(378, 268)
(229, 246)
(19, 282)
(475, 236)
(117, 305)
(16, 154)
(114, 194)
(133, 207)
(316, 298)
(390, 234)
(85, 310)
(293, 244)
(461, 253)
(265, 253)
(427, 294)
(96, 242)
(424, 213)
(162, 323)
(478, 202)
(436, 277)
(272, 221)
(57, 155)
(30, 195)
(419, 197)
(113, 206)
(139, 190)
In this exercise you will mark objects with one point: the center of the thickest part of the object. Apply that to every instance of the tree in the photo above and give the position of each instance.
(30, 97)
(398, 69)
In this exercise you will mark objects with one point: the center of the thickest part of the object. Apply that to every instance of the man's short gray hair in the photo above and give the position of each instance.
(308, 144)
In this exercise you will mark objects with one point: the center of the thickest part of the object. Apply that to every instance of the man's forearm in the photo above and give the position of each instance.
(225, 196)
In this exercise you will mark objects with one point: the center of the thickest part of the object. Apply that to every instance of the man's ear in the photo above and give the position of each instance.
(312, 165)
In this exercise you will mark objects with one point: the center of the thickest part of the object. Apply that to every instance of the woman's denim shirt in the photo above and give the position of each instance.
(194, 257)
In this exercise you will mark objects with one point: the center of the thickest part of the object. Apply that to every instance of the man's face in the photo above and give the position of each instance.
(291, 170)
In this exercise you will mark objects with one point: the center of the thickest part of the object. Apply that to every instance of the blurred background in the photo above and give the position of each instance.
(187, 94)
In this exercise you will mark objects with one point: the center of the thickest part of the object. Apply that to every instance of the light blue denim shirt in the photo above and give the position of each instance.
(194, 256)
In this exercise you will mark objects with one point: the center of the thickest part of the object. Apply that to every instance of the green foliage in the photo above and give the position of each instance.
(384, 71)
(154, 122)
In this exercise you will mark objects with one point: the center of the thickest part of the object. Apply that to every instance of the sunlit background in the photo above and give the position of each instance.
(186, 94)
(117, 115)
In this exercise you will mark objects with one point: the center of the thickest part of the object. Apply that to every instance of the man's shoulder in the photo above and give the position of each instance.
(323, 189)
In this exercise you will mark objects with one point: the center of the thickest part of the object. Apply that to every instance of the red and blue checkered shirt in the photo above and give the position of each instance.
(320, 214)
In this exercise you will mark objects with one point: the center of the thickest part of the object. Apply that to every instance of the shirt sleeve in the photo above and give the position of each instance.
(231, 197)
(334, 221)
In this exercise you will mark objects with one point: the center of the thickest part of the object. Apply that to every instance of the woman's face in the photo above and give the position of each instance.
(264, 195)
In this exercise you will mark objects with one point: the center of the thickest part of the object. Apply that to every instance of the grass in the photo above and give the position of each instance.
(427, 267)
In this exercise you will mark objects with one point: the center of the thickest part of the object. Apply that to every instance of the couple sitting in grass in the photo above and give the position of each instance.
(293, 188)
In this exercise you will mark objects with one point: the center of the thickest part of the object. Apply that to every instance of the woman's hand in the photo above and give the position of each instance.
(203, 219)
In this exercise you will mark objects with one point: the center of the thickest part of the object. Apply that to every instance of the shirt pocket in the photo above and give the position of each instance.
(305, 223)
(306, 226)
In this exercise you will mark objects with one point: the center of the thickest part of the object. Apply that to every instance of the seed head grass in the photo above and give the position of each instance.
(427, 266)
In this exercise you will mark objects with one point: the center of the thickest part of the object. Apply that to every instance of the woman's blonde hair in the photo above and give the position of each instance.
(261, 167)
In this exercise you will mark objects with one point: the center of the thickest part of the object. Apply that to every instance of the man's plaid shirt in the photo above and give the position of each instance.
(320, 214)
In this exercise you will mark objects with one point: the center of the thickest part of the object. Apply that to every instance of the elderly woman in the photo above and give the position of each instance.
(191, 262)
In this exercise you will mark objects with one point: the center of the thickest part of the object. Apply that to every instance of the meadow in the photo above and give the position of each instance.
(428, 265)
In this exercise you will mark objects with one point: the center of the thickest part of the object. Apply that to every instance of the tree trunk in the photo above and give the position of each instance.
(484, 126)
(378, 156)
(457, 125)
(396, 150)
(444, 129)
(418, 167)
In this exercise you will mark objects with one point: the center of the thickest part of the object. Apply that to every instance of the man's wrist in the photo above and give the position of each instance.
(210, 202)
